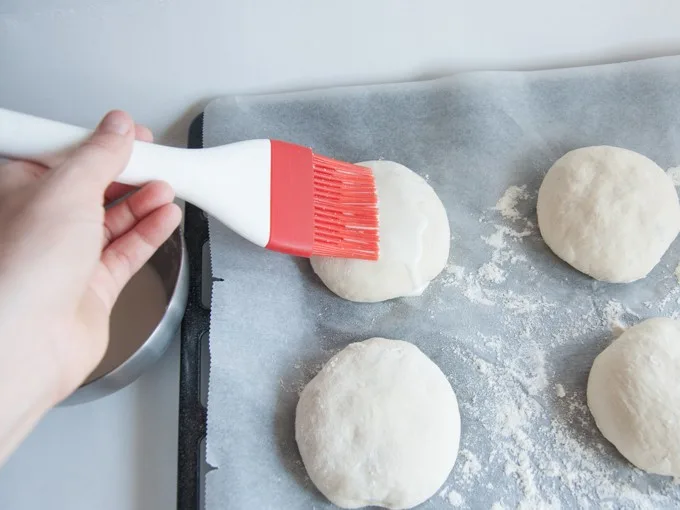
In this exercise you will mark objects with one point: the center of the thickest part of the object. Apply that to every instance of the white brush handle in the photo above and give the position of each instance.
(231, 182)
(49, 142)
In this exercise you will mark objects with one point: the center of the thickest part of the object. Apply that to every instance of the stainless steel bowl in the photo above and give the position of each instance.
(171, 264)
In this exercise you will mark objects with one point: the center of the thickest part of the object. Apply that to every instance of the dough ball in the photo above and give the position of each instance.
(414, 241)
(609, 212)
(378, 425)
(634, 395)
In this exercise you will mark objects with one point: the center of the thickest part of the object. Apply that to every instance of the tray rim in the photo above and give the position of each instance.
(192, 414)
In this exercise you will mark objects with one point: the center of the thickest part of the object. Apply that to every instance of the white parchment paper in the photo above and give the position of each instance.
(513, 328)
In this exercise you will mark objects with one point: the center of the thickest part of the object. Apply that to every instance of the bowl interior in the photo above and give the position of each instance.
(138, 328)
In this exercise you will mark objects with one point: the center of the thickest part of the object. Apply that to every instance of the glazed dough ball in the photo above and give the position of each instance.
(378, 425)
(414, 241)
(609, 212)
(634, 395)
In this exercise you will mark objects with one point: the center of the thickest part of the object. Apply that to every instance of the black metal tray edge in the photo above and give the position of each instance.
(196, 323)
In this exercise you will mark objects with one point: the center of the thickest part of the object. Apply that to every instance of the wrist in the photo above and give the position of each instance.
(28, 388)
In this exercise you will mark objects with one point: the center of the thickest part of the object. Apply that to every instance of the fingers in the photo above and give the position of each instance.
(127, 254)
(103, 156)
(143, 133)
(123, 216)
(117, 190)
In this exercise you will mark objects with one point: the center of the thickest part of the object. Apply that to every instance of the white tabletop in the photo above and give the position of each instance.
(162, 60)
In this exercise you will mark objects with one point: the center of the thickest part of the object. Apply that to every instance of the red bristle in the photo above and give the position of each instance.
(345, 210)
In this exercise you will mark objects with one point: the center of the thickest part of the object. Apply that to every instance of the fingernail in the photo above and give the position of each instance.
(116, 123)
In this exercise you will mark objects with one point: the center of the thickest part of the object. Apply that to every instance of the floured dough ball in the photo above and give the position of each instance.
(609, 212)
(378, 425)
(414, 241)
(634, 395)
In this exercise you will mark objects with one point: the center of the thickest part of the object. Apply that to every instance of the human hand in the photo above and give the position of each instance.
(64, 259)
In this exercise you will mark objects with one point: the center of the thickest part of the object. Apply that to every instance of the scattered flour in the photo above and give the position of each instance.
(492, 273)
(498, 240)
(476, 294)
(539, 451)
(452, 497)
(674, 173)
(471, 465)
(614, 313)
(548, 452)
(677, 270)
(507, 204)
(457, 272)
(527, 443)
(455, 499)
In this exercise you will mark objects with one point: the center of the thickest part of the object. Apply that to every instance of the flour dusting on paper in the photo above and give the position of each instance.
(537, 446)
(674, 173)
(514, 328)
(455, 499)
(507, 204)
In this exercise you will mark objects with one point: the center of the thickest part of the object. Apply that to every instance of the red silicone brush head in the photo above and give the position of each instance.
(320, 206)
(345, 210)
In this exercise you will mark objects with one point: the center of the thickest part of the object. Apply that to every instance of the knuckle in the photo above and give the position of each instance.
(124, 262)
(108, 235)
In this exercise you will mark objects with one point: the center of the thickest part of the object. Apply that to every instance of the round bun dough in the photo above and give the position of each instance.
(414, 241)
(378, 425)
(609, 212)
(634, 395)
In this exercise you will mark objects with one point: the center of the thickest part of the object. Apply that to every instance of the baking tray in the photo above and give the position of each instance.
(516, 343)
(195, 325)
(193, 413)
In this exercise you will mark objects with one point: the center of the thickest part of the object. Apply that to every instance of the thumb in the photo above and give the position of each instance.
(103, 156)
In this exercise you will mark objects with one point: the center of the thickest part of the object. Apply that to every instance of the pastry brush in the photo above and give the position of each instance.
(278, 195)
